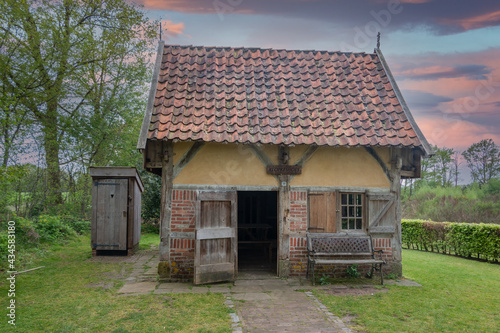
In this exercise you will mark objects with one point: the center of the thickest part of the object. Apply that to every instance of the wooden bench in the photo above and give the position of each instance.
(337, 249)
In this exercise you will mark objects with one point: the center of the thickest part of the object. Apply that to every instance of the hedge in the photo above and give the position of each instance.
(467, 240)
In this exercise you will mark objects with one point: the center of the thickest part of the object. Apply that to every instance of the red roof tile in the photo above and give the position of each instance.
(251, 95)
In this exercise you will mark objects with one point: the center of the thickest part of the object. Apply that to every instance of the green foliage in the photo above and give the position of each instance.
(483, 160)
(34, 236)
(352, 271)
(324, 280)
(151, 198)
(463, 239)
(469, 203)
(76, 70)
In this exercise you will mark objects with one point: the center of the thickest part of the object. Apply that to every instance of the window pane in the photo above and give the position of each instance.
(344, 224)
(351, 199)
(344, 199)
(351, 211)
(358, 223)
(344, 211)
(351, 223)
(359, 211)
(358, 199)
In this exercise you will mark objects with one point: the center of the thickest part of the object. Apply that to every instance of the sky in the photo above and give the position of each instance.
(444, 54)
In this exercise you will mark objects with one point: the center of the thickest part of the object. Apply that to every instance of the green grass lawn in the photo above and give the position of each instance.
(58, 298)
(457, 295)
(73, 294)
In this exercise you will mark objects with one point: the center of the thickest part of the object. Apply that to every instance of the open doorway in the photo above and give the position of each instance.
(257, 230)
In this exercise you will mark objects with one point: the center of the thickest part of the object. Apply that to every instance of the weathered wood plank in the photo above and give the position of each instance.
(215, 237)
(213, 233)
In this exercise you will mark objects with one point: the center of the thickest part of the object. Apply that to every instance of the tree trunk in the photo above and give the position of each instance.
(52, 146)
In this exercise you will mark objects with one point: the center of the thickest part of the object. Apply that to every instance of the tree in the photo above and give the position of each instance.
(454, 171)
(77, 67)
(436, 169)
(483, 160)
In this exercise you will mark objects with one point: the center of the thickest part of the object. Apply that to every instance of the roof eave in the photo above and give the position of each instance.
(425, 145)
(141, 143)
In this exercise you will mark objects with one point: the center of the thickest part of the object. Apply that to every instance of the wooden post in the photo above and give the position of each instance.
(284, 216)
(167, 173)
(395, 173)
(284, 227)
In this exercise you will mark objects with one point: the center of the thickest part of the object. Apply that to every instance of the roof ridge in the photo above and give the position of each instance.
(264, 49)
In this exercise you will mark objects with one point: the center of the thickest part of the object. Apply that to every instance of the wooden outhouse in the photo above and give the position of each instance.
(257, 147)
(116, 210)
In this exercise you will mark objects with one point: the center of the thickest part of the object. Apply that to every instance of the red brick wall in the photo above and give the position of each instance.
(298, 229)
(182, 250)
(183, 220)
(384, 244)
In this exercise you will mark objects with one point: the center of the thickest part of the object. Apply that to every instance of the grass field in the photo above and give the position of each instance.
(72, 294)
(457, 295)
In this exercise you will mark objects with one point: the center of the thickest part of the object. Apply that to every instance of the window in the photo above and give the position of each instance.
(351, 211)
(331, 212)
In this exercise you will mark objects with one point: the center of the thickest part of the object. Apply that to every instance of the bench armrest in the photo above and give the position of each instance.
(379, 253)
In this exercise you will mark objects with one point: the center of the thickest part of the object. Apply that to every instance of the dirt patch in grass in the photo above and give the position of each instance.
(358, 291)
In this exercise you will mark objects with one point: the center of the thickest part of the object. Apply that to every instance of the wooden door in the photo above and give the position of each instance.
(111, 214)
(215, 248)
(322, 212)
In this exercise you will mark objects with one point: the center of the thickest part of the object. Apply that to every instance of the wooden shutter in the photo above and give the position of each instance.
(215, 248)
(111, 214)
(381, 213)
(322, 212)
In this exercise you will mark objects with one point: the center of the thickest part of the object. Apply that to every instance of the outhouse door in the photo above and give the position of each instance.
(111, 214)
(216, 244)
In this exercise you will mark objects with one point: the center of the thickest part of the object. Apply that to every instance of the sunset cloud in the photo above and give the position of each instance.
(172, 30)
(475, 22)
(471, 71)
(441, 16)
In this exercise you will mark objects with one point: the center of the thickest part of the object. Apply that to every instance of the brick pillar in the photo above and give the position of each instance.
(298, 230)
(182, 242)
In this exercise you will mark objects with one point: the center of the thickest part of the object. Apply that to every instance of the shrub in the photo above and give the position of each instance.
(463, 239)
(79, 225)
(51, 229)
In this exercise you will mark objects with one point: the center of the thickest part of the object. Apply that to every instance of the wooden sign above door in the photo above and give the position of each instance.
(284, 169)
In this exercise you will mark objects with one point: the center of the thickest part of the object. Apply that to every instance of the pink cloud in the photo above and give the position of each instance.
(459, 134)
(456, 108)
(475, 22)
(171, 30)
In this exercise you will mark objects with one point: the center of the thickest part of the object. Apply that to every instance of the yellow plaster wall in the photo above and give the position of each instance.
(296, 153)
(180, 148)
(352, 167)
(385, 155)
(225, 164)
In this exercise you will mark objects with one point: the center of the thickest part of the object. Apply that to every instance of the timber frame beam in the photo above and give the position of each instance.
(187, 157)
(379, 160)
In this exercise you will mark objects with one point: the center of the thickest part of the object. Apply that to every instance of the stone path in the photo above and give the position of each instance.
(262, 303)
(273, 305)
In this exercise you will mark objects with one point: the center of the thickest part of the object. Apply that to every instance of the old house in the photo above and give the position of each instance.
(257, 147)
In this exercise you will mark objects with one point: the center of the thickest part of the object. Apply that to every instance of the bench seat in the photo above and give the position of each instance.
(325, 249)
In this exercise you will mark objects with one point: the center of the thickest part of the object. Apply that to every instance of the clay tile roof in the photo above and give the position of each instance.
(266, 96)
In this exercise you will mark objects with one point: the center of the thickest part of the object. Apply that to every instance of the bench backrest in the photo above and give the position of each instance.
(340, 244)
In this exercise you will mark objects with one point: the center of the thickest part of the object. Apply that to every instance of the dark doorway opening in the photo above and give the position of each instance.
(257, 230)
